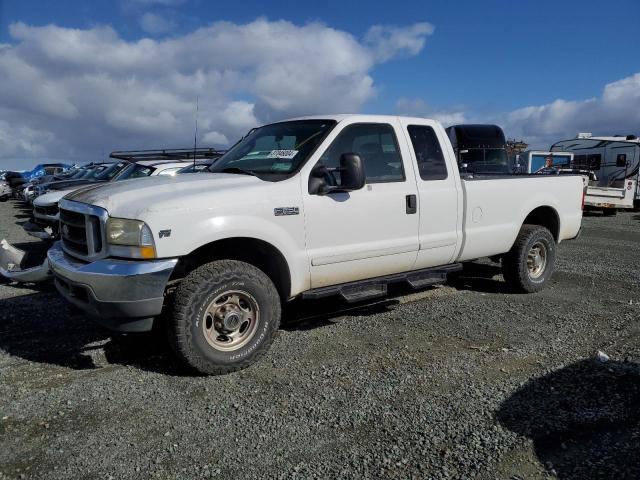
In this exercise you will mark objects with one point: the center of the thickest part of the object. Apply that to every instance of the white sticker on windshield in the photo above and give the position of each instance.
(288, 154)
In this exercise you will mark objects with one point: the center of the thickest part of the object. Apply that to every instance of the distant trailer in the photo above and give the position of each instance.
(613, 164)
(532, 161)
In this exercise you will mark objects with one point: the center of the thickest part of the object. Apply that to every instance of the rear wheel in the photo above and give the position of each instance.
(530, 263)
(225, 316)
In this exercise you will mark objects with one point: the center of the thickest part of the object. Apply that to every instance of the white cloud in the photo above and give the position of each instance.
(88, 91)
(215, 138)
(154, 23)
(616, 111)
(387, 42)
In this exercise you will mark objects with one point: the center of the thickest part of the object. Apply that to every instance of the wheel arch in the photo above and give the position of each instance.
(545, 216)
(259, 253)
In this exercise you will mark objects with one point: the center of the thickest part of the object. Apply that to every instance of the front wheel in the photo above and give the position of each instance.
(225, 316)
(530, 263)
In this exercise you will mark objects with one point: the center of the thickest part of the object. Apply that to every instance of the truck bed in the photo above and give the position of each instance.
(496, 206)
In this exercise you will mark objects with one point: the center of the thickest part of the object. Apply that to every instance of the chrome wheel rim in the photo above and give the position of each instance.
(230, 320)
(537, 260)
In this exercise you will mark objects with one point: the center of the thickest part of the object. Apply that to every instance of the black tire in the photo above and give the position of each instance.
(609, 212)
(496, 258)
(188, 334)
(515, 268)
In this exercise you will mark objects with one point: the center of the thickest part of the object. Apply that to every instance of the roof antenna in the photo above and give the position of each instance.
(195, 136)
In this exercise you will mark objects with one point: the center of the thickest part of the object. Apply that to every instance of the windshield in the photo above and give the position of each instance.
(198, 167)
(110, 172)
(274, 151)
(136, 171)
(485, 160)
(79, 173)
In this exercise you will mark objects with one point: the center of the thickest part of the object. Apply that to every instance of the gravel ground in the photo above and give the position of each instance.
(463, 380)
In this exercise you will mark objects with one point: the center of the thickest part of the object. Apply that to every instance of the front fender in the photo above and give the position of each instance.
(285, 233)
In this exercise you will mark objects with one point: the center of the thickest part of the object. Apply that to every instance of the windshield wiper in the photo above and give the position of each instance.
(238, 171)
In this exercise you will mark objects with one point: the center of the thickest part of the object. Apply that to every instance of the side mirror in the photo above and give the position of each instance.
(351, 172)
(352, 176)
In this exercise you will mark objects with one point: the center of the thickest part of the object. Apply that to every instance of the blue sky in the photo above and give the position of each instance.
(476, 60)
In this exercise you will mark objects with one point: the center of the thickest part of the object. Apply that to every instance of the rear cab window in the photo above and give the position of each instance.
(428, 151)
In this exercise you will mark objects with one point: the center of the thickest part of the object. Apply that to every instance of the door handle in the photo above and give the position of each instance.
(412, 204)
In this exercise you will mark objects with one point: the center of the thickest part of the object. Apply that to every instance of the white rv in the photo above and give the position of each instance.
(613, 163)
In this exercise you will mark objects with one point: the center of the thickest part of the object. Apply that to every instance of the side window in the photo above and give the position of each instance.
(140, 171)
(580, 161)
(378, 148)
(621, 160)
(594, 161)
(431, 164)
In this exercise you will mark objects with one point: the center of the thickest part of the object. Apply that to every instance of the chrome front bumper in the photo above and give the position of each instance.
(123, 295)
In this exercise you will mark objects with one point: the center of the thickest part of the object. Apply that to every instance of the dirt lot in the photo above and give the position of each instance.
(463, 380)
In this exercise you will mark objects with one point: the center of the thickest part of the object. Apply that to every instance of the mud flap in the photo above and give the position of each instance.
(11, 259)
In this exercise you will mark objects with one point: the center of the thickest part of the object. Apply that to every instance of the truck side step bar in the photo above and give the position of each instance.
(377, 287)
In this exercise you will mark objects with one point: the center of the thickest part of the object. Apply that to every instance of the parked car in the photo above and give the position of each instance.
(16, 178)
(95, 173)
(334, 205)
(197, 167)
(134, 164)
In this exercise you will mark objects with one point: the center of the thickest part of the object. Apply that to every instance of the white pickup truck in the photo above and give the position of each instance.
(311, 207)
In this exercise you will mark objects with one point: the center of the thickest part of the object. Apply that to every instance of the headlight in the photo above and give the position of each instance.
(130, 238)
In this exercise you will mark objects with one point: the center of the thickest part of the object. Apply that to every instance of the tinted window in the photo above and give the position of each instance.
(138, 171)
(377, 146)
(580, 161)
(431, 164)
(594, 161)
(621, 160)
(111, 171)
(485, 160)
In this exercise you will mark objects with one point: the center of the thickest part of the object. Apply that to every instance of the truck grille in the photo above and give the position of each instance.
(49, 210)
(81, 234)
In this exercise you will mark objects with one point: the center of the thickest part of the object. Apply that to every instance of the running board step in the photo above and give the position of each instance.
(377, 287)
(357, 293)
(424, 280)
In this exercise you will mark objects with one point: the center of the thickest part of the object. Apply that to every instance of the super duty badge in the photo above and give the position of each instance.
(280, 211)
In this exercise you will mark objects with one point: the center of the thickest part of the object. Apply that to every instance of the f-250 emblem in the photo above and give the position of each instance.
(164, 233)
(280, 211)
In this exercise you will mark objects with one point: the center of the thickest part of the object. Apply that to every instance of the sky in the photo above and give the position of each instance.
(79, 79)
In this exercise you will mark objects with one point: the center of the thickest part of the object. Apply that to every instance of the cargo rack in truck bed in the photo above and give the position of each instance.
(168, 154)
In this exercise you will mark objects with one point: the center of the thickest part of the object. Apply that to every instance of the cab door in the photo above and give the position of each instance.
(372, 231)
(439, 193)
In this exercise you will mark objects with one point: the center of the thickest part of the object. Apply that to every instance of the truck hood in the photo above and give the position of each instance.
(137, 197)
(52, 198)
(65, 184)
